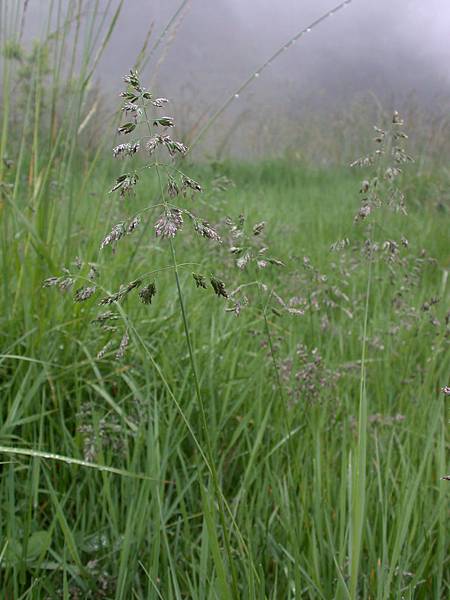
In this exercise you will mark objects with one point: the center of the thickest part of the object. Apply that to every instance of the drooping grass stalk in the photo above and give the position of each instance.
(255, 74)
(68, 460)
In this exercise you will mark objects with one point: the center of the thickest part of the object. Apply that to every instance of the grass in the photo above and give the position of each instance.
(301, 458)
(286, 472)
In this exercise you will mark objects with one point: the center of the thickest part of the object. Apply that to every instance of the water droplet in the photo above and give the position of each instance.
(236, 96)
(308, 30)
(256, 74)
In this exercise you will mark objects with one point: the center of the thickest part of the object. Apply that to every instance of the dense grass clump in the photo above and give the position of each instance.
(282, 416)
(252, 407)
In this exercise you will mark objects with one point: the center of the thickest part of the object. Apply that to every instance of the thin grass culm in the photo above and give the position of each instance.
(138, 102)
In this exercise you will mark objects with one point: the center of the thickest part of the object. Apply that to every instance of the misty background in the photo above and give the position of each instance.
(390, 53)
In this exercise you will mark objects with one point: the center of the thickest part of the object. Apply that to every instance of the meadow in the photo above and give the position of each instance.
(273, 427)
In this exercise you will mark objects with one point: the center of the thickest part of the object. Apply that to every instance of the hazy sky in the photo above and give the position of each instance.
(391, 48)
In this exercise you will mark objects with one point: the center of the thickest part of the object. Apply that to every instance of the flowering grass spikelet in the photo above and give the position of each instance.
(258, 228)
(169, 223)
(152, 143)
(50, 282)
(123, 346)
(125, 183)
(124, 290)
(84, 293)
(109, 315)
(200, 280)
(172, 187)
(159, 102)
(243, 261)
(164, 122)
(146, 294)
(124, 150)
(65, 283)
(104, 350)
(133, 224)
(114, 235)
(218, 287)
(188, 183)
(204, 229)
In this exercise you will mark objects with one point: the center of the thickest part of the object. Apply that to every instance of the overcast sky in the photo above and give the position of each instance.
(390, 48)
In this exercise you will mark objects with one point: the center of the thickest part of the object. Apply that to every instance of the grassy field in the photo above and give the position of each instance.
(176, 448)
(286, 429)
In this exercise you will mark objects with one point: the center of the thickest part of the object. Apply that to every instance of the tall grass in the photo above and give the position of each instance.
(329, 469)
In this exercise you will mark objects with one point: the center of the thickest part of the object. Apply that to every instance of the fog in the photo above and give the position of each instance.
(394, 50)
(391, 47)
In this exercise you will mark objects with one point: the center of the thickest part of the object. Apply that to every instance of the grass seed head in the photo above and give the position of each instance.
(125, 184)
(164, 122)
(117, 232)
(152, 143)
(123, 346)
(159, 102)
(84, 293)
(188, 183)
(219, 287)
(169, 223)
(65, 284)
(51, 282)
(93, 272)
(146, 294)
(204, 229)
(109, 315)
(172, 187)
(200, 280)
(124, 150)
(258, 228)
(133, 224)
(123, 291)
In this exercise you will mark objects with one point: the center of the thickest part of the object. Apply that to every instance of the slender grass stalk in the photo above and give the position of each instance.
(359, 462)
(281, 393)
(68, 460)
(255, 74)
(164, 32)
(209, 450)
